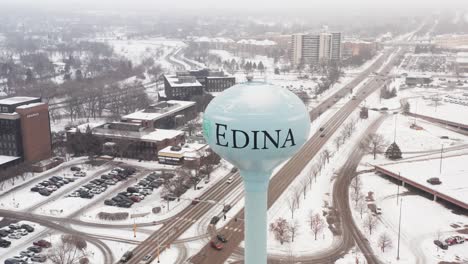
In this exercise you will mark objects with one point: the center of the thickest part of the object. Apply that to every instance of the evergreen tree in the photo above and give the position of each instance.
(260, 66)
(393, 152)
(254, 66)
(29, 76)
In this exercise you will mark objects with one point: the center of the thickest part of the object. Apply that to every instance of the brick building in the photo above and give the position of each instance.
(25, 129)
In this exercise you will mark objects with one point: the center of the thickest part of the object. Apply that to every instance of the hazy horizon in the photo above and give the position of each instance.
(239, 4)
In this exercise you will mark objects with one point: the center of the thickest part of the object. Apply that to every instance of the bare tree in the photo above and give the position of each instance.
(326, 155)
(384, 241)
(292, 205)
(356, 187)
(337, 142)
(361, 206)
(310, 177)
(316, 222)
(68, 251)
(297, 195)
(370, 223)
(294, 229)
(373, 143)
(281, 230)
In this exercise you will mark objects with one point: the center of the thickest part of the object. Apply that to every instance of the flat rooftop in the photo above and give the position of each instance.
(159, 110)
(126, 130)
(17, 100)
(174, 81)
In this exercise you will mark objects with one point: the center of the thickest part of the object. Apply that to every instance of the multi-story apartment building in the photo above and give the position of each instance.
(315, 48)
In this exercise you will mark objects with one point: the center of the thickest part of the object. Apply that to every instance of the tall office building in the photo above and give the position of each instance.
(313, 49)
(24, 130)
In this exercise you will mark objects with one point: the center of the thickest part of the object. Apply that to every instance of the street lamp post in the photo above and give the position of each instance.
(399, 229)
(398, 187)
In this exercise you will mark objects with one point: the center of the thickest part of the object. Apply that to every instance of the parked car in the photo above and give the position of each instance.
(234, 170)
(79, 174)
(35, 249)
(4, 243)
(42, 243)
(22, 232)
(230, 180)
(434, 181)
(110, 202)
(14, 226)
(216, 245)
(39, 258)
(28, 228)
(14, 261)
(135, 199)
(75, 168)
(3, 233)
(14, 236)
(453, 240)
(441, 244)
(26, 253)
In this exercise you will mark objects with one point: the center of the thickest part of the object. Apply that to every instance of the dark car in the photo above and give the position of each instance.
(44, 192)
(3, 233)
(42, 243)
(36, 189)
(441, 244)
(110, 202)
(221, 238)
(74, 168)
(4, 243)
(234, 170)
(14, 261)
(125, 204)
(226, 208)
(434, 181)
(126, 257)
(321, 129)
(35, 249)
(39, 258)
(214, 220)
(132, 190)
(86, 195)
(28, 228)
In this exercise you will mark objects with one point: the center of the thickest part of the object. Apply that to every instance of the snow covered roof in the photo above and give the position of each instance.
(159, 110)
(175, 81)
(17, 100)
(26, 106)
(147, 135)
(256, 42)
(190, 150)
(6, 159)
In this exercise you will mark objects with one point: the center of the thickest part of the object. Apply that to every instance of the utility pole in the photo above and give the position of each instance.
(398, 188)
(399, 229)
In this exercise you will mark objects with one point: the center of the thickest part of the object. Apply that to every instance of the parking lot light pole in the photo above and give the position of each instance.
(399, 229)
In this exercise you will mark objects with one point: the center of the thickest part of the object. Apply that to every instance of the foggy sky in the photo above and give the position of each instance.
(237, 4)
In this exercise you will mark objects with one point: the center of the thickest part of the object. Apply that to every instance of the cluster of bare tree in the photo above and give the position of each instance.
(374, 143)
(287, 231)
(345, 133)
(14, 173)
(70, 250)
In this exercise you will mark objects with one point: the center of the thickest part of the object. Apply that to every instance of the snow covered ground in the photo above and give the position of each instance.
(422, 222)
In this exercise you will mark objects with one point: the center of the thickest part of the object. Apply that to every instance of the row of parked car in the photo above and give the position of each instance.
(138, 192)
(14, 231)
(450, 241)
(45, 188)
(98, 186)
(32, 254)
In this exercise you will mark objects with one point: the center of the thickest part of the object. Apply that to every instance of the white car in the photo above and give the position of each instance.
(79, 174)
(22, 232)
(14, 236)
